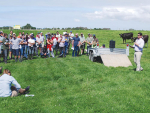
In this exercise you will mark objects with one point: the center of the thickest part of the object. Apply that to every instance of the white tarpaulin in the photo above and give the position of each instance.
(116, 60)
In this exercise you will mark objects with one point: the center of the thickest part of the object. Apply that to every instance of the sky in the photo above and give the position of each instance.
(114, 14)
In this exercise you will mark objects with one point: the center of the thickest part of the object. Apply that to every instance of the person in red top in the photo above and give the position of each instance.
(55, 44)
(49, 47)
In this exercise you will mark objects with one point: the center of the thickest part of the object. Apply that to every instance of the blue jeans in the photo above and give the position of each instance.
(23, 52)
(88, 49)
(27, 49)
(31, 51)
(76, 48)
(66, 48)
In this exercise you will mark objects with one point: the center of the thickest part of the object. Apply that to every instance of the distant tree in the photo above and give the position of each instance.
(28, 26)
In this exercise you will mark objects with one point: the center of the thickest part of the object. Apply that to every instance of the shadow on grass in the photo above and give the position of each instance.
(133, 69)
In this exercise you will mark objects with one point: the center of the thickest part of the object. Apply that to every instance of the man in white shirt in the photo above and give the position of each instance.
(42, 39)
(138, 47)
(57, 35)
(31, 42)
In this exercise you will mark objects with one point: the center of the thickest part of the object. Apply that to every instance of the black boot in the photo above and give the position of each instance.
(15, 59)
(31, 57)
(5, 61)
(28, 57)
(21, 58)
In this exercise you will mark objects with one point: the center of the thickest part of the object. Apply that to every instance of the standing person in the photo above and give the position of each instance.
(26, 45)
(71, 35)
(15, 46)
(11, 34)
(10, 47)
(38, 42)
(19, 36)
(89, 41)
(23, 44)
(61, 42)
(55, 40)
(75, 44)
(82, 40)
(1, 45)
(5, 47)
(31, 42)
(138, 48)
(66, 44)
(23, 33)
(20, 47)
(49, 47)
(57, 35)
(42, 39)
(95, 40)
(35, 48)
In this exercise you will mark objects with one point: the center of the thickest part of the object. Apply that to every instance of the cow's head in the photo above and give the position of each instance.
(121, 35)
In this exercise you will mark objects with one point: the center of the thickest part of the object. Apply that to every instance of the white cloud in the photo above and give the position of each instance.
(123, 13)
(76, 20)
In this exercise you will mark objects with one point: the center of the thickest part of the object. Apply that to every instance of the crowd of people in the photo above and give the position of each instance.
(28, 45)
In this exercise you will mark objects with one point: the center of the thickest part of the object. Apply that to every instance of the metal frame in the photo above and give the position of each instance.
(95, 52)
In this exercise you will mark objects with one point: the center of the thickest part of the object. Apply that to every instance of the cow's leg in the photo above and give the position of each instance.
(123, 40)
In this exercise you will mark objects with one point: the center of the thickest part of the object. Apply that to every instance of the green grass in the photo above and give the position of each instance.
(79, 85)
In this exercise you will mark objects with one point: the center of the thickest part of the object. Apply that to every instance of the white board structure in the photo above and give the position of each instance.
(116, 60)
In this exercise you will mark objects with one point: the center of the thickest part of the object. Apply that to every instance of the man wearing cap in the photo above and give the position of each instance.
(138, 48)
(95, 40)
(82, 40)
(75, 44)
(71, 35)
(15, 46)
(89, 41)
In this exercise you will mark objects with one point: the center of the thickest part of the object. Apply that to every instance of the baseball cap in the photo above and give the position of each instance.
(76, 33)
(94, 35)
(48, 33)
(81, 33)
(71, 31)
(14, 34)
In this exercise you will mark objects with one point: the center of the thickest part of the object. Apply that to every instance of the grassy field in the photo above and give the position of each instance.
(78, 85)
